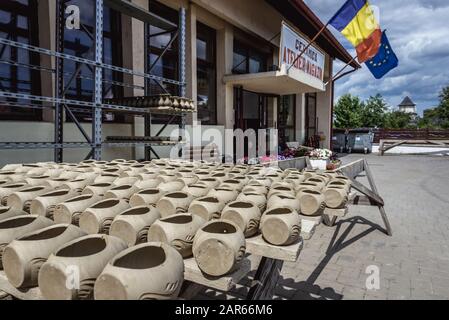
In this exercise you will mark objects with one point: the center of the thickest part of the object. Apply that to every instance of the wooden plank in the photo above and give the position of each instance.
(28, 294)
(360, 200)
(265, 281)
(389, 147)
(226, 283)
(309, 225)
(259, 247)
(370, 194)
(353, 169)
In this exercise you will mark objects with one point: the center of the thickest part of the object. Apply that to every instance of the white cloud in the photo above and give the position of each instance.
(419, 34)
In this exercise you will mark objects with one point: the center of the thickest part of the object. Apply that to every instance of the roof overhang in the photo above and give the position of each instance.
(283, 82)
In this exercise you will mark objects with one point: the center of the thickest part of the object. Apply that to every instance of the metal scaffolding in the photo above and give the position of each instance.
(62, 106)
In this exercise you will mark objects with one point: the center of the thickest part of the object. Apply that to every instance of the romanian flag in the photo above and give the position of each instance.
(356, 21)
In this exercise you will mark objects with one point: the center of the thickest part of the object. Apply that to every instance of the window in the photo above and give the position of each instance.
(287, 118)
(311, 124)
(18, 22)
(251, 55)
(207, 74)
(81, 43)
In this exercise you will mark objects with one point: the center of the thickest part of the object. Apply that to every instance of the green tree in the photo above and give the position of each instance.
(443, 108)
(348, 112)
(373, 113)
(397, 120)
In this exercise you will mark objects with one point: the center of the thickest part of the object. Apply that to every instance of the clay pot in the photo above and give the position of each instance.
(321, 183)
(201, 174)
(69, 175)
(177, 230)
(82, 259)
(147, 184)
(283, 200)
(132, 225)
(311, 202)
(22, 199)
(160, 265)
(184, 173)
(232, 184)
(211, 183)
(244, 214)
(281, 226)
(37, 171)
(283, 184)
(309, 173)
(174, 186)
(125, 181)
(166, 178)
(341, 183)
(336, 197)
(98, 218)
(15, 227)
(173, 203)
(106, 178)
(36, 180)
(70, 210)
(7, 189)
(7, 212)
(207, 208)
(98, 189)
(196, 190)
(11, 176)
(258, 199)
(287, 190)
(45, 204)
(147, 197)
(260, 189)
(274, 177)
(76, 185)
(220, 176)
(225, 195)
(260, 181)
(218, 248)
(55, 183)
(309, 186)
(124, 192)
(23, 257)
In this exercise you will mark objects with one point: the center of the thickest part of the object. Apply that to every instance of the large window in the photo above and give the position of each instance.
(207, 75)
(81, 43)
(251, 55)
(311, 120)
(18, 22)
(286, 118)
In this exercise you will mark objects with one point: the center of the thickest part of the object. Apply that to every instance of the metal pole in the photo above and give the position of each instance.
(334, 78)
(182, 64)
(97, 111)
(59, 83)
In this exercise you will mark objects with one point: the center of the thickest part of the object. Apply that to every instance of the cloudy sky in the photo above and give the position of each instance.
(418, 31)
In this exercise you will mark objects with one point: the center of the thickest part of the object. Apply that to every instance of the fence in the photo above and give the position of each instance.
(410, 134)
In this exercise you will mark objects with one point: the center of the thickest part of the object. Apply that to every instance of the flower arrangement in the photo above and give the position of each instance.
(320, 154)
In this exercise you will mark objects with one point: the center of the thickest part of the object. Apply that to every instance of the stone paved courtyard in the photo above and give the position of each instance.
(413, 264)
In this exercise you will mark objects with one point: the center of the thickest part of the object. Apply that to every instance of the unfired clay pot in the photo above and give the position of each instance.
(309, 186)
(257, 198)
(70, 210)
(246, 215)
(8, 212)
(255, 189)
(132, 225)
(211, 183)
(147, 197)
(196, 190)
(106, 178)
(124, 192)
(22, 199)
(283, 200)
(55, 183)
(98, 218)
(125, 181)
(218, 248)
(178, 231)
(77, 184)
(319, 181)
(225, 195)
(147, 184)
(311, 202)
(188, 180)
(45, 204)
(15, 227)
(7, 189)
(281, 226)
(281, 190)
(70, 272)
(232, 184)
(220, 176)
(159, 264)
(11, 176)
(207, 208)
(98, 189)
(173, 203)
(23, 257)
(36, 180)
(173, 186)
(336, 197)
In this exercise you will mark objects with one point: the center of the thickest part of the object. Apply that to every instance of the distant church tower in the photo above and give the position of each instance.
(408, 106)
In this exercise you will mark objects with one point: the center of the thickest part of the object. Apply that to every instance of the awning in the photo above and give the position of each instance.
(281, 82)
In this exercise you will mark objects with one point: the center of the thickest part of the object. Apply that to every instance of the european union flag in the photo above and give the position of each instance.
(385, 60)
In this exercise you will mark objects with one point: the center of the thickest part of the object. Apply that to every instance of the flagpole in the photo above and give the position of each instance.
(341, 70)
(309, 44)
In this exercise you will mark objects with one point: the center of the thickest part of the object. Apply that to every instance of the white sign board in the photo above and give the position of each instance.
(292, 44)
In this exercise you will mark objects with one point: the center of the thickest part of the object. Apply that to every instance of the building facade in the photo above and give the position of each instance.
(234, 70)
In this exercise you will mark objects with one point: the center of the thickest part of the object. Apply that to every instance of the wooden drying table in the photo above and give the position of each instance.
(386, 145)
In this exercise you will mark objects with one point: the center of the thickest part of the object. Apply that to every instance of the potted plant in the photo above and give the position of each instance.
(320, 158)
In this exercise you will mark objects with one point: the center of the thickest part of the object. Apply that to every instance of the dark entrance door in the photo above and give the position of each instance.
(251, 112)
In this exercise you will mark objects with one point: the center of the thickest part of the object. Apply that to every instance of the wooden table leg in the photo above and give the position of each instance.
(266, 278)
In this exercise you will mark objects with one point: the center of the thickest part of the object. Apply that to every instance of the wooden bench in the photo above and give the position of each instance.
(388, 144)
